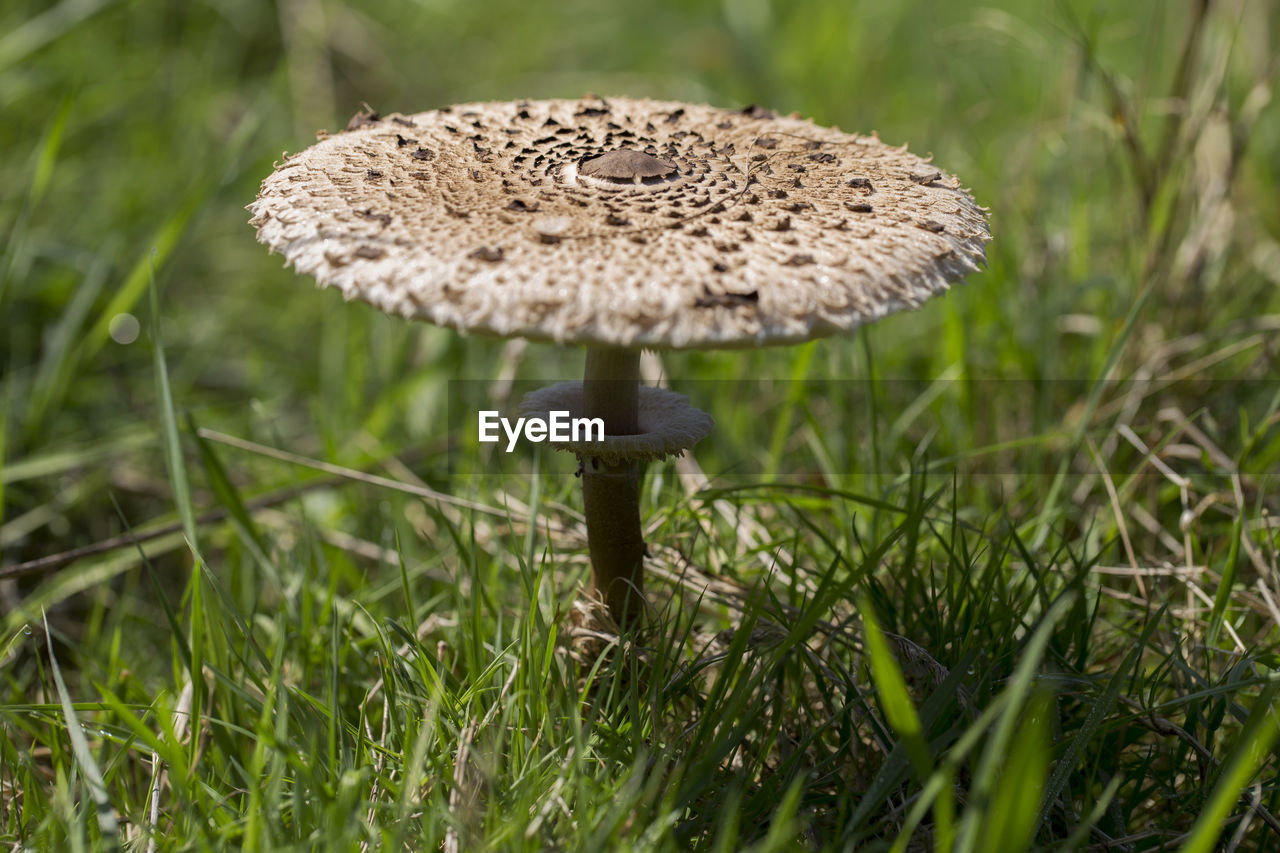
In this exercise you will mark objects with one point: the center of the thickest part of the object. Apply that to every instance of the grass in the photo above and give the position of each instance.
(1000, 574)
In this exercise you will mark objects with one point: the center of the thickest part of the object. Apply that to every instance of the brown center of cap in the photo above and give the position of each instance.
(626, 166)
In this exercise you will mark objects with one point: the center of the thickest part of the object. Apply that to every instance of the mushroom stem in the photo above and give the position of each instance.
(611, 493)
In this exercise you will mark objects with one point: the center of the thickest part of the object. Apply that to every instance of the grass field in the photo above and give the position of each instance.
(996, 575)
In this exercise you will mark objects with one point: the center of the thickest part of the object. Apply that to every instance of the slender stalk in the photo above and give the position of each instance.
(611, 493)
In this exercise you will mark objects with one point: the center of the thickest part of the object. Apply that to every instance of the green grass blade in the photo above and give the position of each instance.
(53, 462)
(1252, 749)
(892, 688)
(1222, 599)
(174, 461)
(800, 362)
(937, 785)
(783, 826)
(45, 160)
(1011, 820)
(1101, 707)
(229, 497)
(1081, 833)
(895, 768)
(84, 756)
(997, 749)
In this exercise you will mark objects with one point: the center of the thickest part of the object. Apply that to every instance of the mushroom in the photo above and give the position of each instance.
(621, 224)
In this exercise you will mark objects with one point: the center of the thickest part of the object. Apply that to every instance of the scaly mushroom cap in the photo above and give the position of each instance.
(621, 222)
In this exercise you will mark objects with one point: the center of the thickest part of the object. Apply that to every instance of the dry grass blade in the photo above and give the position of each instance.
(464, 794)
(159, 773)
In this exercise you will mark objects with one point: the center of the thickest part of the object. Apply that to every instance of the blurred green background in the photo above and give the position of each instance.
(135, 133)
(1128, 153)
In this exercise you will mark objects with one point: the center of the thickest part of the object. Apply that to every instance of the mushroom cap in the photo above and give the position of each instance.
(621, 222)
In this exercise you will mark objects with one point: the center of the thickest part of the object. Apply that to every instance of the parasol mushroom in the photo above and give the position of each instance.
(621, 224)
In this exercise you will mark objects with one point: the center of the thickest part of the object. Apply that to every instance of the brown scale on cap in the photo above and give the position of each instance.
(620, 222)
(627, 166)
